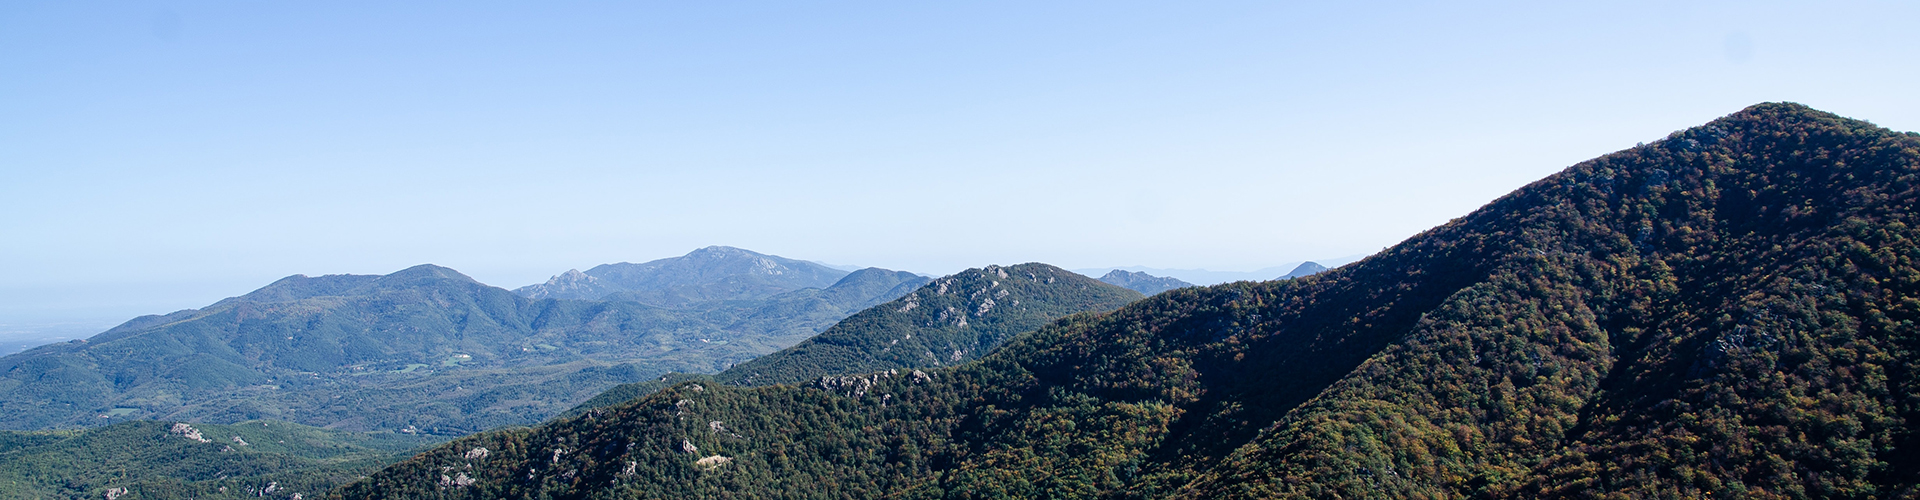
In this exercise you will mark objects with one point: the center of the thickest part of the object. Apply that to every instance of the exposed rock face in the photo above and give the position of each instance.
(187, 431)
(712, 462)
(1144, 283)
(570, 284)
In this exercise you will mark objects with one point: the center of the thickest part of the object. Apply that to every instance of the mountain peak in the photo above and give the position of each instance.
(708, 273)
(429, 271)
(720, 250)
(301, 286)
(1781, 109)
(570, 284)
(1307, 268)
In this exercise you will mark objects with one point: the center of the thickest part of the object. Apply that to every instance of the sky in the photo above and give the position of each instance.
(156, 156)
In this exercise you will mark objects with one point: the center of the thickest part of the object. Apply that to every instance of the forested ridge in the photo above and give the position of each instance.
(147, 459)
(947, 321)
(1728, 312)
(951, 320)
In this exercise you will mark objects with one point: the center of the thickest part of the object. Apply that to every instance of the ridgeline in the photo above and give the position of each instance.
(951, 320)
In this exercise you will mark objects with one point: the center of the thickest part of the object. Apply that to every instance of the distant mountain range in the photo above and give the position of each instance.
(430, 350)
(1206, 277)
(1726, 313)
(963, 316)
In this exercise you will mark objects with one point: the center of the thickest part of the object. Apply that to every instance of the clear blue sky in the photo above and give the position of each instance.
(158, 155)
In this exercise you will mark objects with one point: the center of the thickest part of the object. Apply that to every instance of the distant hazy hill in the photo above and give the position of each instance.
(948, 321)
(10, 346)
(169, 460)
(1208, 277)
(425, 348)
(707, 274)
(1726, 313)
(1305, 269)
(1144, 283)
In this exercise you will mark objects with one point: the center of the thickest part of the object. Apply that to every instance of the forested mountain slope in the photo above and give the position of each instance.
(151, 460)
(424, 349)
(952, 320)
(1726, 312)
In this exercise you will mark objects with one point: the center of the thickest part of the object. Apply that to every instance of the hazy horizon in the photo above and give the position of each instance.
(164, 156)
(84, 316)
